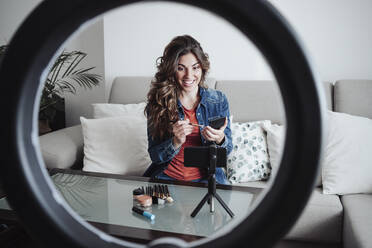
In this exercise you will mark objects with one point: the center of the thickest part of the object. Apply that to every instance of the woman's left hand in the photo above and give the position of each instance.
(216, 135)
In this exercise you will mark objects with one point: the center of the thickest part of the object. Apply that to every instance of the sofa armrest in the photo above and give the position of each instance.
(63, 148)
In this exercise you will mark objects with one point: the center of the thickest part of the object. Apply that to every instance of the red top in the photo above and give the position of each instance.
(175, 168)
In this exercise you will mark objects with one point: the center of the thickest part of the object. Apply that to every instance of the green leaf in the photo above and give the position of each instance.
(65, 76)
(79, 56)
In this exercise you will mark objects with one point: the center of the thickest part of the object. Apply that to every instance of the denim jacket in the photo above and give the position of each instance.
(212, 104)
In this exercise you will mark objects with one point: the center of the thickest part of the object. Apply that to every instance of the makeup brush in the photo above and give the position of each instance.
(153, 192)
(169, 198)
(161, 191)
(164, 193)
(160, 199)
(196, 125)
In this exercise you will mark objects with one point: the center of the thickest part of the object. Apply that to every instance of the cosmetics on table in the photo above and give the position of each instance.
(148, 195)
(167, 194)
(158, 193)
(144, 213)
(137, 192)
(155, 194)
(143, 200)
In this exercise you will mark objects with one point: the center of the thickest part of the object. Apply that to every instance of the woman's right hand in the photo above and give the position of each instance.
(180, 130)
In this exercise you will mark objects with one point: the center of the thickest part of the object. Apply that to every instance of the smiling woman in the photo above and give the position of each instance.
(179, 97)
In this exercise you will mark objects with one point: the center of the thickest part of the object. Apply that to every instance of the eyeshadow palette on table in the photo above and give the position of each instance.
(110, 203)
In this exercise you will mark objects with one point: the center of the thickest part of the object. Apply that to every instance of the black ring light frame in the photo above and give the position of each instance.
(29, 190)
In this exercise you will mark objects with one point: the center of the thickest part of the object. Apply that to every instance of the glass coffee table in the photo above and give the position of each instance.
(106, 201)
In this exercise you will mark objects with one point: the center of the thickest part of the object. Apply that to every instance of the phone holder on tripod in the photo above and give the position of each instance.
(209, 158)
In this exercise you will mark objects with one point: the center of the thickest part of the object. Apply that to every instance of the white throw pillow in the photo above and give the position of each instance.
(347, 162)
(275, 144)
(116, 145)
(275, 136)
(102, 110)
(248, 160)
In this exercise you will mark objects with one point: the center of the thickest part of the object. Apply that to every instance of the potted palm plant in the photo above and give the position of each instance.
(63, 77)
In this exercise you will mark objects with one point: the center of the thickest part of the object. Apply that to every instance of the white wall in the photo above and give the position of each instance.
(89, 40)
(337, 34)
(135, 36)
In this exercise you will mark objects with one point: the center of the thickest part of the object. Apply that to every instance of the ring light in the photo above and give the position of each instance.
(37, 203)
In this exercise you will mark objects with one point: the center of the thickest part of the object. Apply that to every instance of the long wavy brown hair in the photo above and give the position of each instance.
(161, 108)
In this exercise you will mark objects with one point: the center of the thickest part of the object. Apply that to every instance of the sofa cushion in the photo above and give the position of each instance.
(126, 90)
(346, 166)
(321, 220)
(248, 160)
(275, 144)
(275, 136)
(254, 100)
(256, 184)
(116, 145)
(357, 220)
(63, 148)
(103, 110)
(353, 97)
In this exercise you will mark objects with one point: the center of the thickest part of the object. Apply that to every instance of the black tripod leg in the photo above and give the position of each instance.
(224, 205)
(200, 205)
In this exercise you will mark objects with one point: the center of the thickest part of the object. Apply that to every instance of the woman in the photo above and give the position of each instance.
(179, 110)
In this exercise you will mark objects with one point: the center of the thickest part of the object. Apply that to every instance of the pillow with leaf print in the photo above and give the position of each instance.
(249, 159)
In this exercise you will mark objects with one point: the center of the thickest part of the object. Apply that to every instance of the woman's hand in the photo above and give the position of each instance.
(216, 135)
(180, 130)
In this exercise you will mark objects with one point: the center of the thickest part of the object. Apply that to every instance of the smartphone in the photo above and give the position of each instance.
(217, 123)
(198, 156)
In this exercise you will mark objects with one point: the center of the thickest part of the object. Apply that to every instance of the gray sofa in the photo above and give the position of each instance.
(327, 221)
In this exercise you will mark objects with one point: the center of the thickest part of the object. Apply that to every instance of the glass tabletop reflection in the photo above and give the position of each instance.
(110, 201)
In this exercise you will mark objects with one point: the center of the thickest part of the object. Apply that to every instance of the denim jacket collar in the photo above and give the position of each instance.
(202, 98)
(202, 95)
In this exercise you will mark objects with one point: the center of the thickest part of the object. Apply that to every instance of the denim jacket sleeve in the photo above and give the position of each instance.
(161, 151)
(226, 112)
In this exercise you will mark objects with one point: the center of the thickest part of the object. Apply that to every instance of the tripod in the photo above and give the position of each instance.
(212, 186)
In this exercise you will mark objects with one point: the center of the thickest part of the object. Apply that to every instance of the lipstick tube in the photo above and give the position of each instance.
(144, 213)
